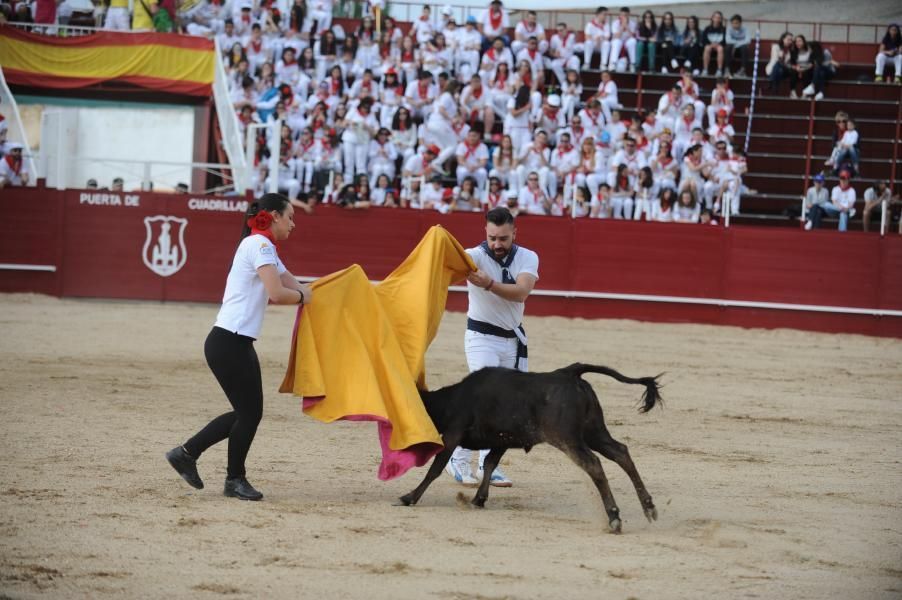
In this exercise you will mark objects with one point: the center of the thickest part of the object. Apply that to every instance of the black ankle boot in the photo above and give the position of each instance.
(185, 465)
(238, 487)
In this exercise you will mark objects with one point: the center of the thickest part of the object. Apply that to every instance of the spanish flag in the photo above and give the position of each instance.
(358, 351)
(160, 61)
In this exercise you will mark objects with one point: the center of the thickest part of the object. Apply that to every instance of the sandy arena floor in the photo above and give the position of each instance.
(776, 467)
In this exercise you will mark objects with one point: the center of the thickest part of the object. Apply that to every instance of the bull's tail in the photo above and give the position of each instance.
(652, 393)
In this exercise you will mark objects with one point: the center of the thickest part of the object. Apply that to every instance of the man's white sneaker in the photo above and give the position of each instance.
(809, 90)
(808, 225)
(819, 96)
(674, 64)
(462, 473)
(499, 479)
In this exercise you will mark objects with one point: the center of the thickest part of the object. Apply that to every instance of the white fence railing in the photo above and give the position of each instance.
(228, 126)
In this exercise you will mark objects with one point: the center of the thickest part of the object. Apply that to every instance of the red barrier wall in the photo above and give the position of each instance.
(96, 241)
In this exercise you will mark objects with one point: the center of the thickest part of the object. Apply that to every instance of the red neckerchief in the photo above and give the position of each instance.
(407, 56)
(532, 53)
(597, 24)
(693, 161)
(622, 182)
(476, 93)
(423, 18)
(550, 112)
(643, 144)
(576, 131)
(246, 18)
(425, 163)
(500, 82)
(423, 90)
(720, 130)
(491, 53)
(721, 98)
(527, 79)
(594, 119)
(257, 45)
(666, 161)
(457, 128)
(689, 122)
(368, 86)
(306, 147)
(470, 150)
(535, 195)
(284, 148)
(243, 119)
(336, 85)
(495, 19)
(494, 199)
(562, 151)
(688, 89)
(288, 63)
(402, 125)
(15, 165)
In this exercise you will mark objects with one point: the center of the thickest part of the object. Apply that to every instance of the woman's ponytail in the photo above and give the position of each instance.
(252, 209)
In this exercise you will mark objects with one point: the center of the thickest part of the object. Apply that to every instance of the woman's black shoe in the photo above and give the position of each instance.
(186, 466)
(241, 489)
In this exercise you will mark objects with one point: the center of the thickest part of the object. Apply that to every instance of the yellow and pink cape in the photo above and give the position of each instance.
(358, 350)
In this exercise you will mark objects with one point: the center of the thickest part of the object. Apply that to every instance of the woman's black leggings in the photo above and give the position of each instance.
(234, 363)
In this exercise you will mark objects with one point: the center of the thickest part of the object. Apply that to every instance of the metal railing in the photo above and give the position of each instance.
(138, 175)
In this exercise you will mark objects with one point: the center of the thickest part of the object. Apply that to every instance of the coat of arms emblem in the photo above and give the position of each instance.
(164, 250)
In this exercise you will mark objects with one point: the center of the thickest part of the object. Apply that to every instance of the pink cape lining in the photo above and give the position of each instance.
(394, 462)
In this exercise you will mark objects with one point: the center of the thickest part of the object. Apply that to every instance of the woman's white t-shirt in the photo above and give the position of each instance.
(245, 297)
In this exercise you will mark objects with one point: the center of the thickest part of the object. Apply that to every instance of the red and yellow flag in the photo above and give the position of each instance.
(161, 61)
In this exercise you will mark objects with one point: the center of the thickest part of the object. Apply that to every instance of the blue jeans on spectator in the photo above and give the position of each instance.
(832, 211)
(847, 156)
(779, 73)
(821, 76)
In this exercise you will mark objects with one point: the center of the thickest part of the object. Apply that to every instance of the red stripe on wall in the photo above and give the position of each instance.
(111, 38)
(42, 80)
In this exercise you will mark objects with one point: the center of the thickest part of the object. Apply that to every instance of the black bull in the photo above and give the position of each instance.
(499, 409)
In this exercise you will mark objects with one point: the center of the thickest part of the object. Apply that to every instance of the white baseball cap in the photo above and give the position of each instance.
(554, 100)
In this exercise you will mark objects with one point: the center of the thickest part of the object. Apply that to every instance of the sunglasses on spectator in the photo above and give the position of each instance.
(532, 179)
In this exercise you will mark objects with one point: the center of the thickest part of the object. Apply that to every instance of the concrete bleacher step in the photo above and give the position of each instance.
(822, 145)
(875, 168)
(764, 123)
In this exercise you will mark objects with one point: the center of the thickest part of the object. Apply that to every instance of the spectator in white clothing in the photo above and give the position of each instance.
(13, 170)
(842, 203)
(890, 51)
(561, 55)
(472, 157)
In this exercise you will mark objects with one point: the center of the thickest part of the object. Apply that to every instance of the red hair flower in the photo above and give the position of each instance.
(261, 221)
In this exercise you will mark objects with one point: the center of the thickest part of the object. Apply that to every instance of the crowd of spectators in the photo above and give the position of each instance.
(463, 116)
(457, 117)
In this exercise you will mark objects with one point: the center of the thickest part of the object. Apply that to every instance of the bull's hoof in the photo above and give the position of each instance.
(403, 501)
(615, 525)
(651, 513)
(478, 502)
